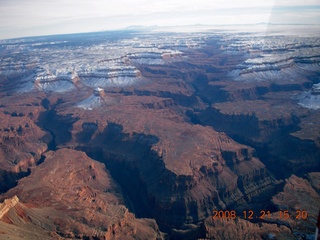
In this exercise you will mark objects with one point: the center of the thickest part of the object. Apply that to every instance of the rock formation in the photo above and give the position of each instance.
(7, 205)
(241, 229)
(300, 197)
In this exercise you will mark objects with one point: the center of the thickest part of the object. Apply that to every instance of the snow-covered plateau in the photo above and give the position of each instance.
(58, 64)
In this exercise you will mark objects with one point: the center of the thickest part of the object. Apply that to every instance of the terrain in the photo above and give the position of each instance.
(143, 135)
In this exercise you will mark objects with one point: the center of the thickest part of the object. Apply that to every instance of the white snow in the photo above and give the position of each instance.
(149, 61)
(55, 86)
(51, 66)
(91, 102)
(309, 100)
(124, 81)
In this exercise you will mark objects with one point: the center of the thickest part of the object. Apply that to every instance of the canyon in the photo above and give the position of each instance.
(134, 135)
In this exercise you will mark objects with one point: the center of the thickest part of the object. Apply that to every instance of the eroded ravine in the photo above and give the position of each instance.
(153, 191)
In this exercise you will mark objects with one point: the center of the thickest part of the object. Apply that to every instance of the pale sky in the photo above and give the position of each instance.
(20, 18)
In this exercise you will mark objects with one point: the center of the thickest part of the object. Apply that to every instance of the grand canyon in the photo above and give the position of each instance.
(143, 134)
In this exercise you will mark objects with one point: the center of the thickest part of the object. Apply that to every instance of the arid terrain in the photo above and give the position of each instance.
(146, 135)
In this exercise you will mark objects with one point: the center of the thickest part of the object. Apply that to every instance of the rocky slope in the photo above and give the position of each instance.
(22, 141)
(295, 212)
(242, 229)
(72, 196)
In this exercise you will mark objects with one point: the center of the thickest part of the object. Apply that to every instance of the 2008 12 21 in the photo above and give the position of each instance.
(250, 214)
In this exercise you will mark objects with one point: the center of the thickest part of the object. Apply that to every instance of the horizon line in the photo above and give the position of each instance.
(152, 27)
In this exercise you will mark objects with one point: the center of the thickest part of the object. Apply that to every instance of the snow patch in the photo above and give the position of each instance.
(310, 99)
(111, 82)
(91, 102)
(55, 86)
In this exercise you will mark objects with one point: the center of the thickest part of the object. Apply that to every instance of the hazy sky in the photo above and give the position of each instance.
(20, 18)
